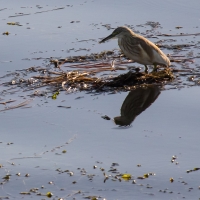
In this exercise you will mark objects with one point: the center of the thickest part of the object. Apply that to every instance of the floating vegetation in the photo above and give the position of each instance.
(105, 117)
(107, 71)
(25, 193)
(18, 105)
(146, 175)
(171, 180)
(5, 33)
(14, 23)
(55, 95)
(193, 170)
(89, 81)
(49, 194)
(126, 176)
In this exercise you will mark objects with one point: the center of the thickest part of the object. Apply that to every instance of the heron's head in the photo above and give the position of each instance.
(117, 33)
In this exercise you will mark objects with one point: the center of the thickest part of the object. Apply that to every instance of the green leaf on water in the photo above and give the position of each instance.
(126, 176)
(146, 175)
(54, 96)
(49, 194)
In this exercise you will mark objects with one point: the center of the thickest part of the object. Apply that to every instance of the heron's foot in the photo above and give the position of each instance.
(146, 70)
(155, 68)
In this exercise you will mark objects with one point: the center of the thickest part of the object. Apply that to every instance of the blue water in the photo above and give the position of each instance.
(170, 126)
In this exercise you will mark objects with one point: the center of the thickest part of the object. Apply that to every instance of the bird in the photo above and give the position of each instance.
(138, 48)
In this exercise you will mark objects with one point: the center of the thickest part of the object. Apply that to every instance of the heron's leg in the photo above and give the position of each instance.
(155, 68)
(146, 69)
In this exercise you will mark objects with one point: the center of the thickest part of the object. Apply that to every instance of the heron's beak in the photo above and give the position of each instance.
(107, 38)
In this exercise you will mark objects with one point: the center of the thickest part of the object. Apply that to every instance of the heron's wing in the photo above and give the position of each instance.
(130, 45)
(137, 48)
(149, 47)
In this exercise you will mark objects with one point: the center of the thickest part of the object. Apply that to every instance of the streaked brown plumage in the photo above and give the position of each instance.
(138, 48)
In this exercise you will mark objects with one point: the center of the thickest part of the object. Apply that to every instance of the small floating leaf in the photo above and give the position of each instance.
(105, 117)
(64, 106)
(94, 198)
(27, 175)
(11, 23)
(192, 170)
(7, 177)
(171, 180)
(146, 175)
(126, 176)
(71, 173)
(54, 96)
(140, 177)
(25, 193)
(6, 33)
(178, 27)
(64, 151)
(134, 182)
(49, 194)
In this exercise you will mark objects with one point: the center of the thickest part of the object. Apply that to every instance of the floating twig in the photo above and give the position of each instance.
(36, 12)
(9, 101)
(18, 105)
(181, 34)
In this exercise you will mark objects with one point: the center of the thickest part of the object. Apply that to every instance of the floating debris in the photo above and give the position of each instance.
(5, 33)
(171, 180)
(7, 177)
(173, 159)
(49, 194)
(27, 175)
(126, 177)
(64, 106)
(54, 96)
(25, 193)
(71, 173)
(105, 117)
(134, 182)
(17, 106)
(178, 27)
(193, 170)
(14, 23)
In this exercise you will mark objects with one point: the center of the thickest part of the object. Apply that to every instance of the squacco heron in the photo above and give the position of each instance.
(138, 48)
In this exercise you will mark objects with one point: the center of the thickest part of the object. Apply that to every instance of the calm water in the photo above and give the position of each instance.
(170, 126)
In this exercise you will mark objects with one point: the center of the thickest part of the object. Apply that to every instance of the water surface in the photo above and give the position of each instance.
(33, 139)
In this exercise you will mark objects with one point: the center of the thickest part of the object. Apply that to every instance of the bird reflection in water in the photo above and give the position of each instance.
(136, 102)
